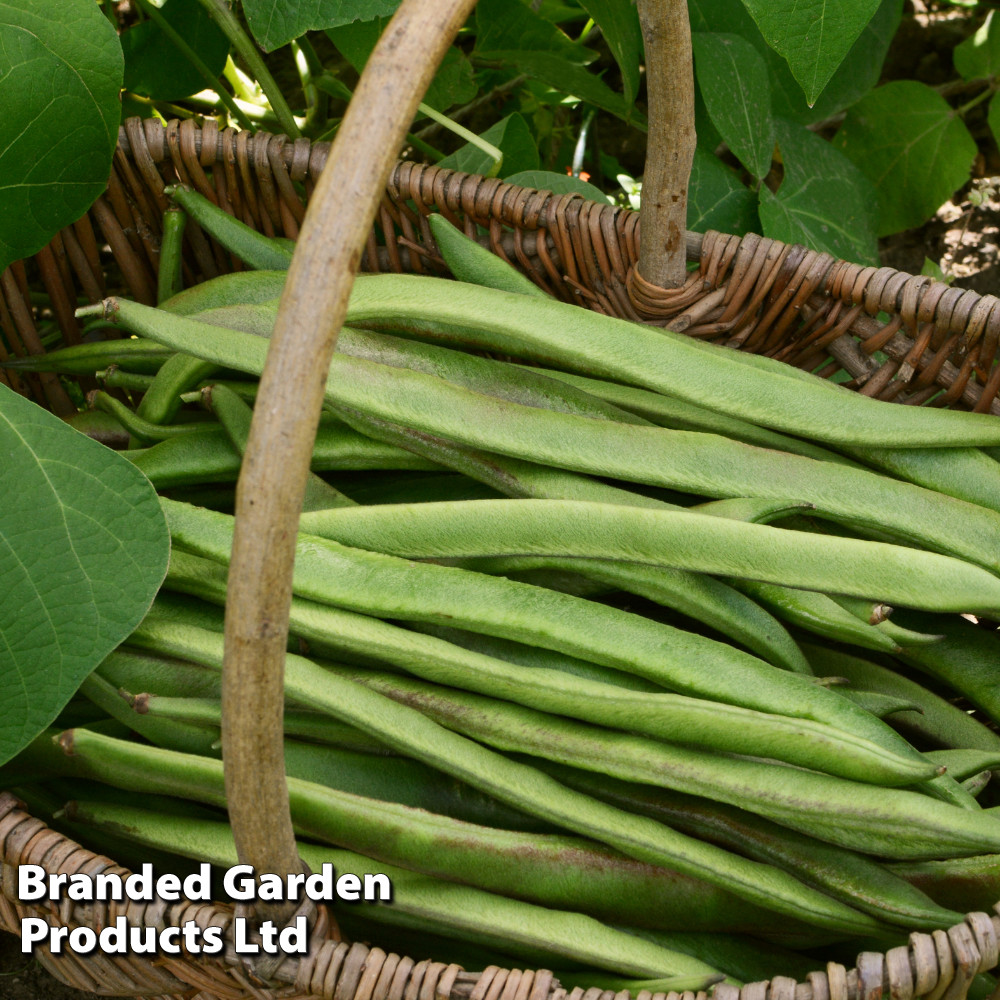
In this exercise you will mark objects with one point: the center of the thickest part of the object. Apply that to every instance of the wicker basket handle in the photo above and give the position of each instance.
(271, 485)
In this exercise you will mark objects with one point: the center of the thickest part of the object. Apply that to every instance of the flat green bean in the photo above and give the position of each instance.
(526, 788)
(657, 359)
(852, 877)
(891, 823)
(684, 662)
(235, 416)
(208, 456)
(252, 247)
(695, 462)
(938, 720)
(817, 613)
(468, 261)
(418, 900)
(691, 721)
(667, 411)
(965, 659)
(684, 540)
(168, 280)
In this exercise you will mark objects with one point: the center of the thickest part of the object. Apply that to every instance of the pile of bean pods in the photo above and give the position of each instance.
(594, 649)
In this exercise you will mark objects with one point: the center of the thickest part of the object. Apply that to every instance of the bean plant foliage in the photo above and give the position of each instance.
(557, 87)
(799, 138)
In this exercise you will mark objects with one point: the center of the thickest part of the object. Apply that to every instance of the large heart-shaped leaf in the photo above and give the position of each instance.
(979, 55)
(60, 75)
(912, 146)
(83, 549)
(824, 201)
(812, 35)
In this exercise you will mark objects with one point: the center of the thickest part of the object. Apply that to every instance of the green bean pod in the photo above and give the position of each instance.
(235, 416)
(691, 721)
(878, 615)
(700, 463)
(310, 726)
(176, 376)
(252, 247)
(237, 288)
(817, 613)
(528, 789)
(208, 456)
(139, 428)
(656, 359)
(965, 659)
(668, 411)
(966, 473)
(964, 764)
(418, 900)
(383, 585)
(880, 705)
(142, 356)
(168, 275)
(936, 720)
(684, 540)
(852, 877)
(468, 261)
(697, 595)
(891, 823)
(964, 883)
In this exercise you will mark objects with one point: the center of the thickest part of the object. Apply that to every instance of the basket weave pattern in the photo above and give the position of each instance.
(757, 294)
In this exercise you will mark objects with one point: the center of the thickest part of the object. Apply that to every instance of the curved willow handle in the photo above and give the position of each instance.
(271, 485)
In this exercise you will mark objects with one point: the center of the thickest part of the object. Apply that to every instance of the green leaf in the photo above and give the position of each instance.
(153, 64)
(83, 550)
(276, 22)
(732, 78)
(619, 23)
(508, 25)
(454, 82)
(512, 136)
(979, 55)
(717, 199)
(912, 146)
(549, 180)
(854, 77)
(567, 79)
(558, 13)
(814, 36)
(824, 201)
(60, 75)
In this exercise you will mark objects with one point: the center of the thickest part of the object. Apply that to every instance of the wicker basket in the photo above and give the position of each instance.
(939, 344)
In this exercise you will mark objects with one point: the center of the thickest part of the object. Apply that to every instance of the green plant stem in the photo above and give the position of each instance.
(309, 67)
(230, 27)
(460, 114)
(424, 147)
(196, 61)
(978, 99)
(463, 133)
